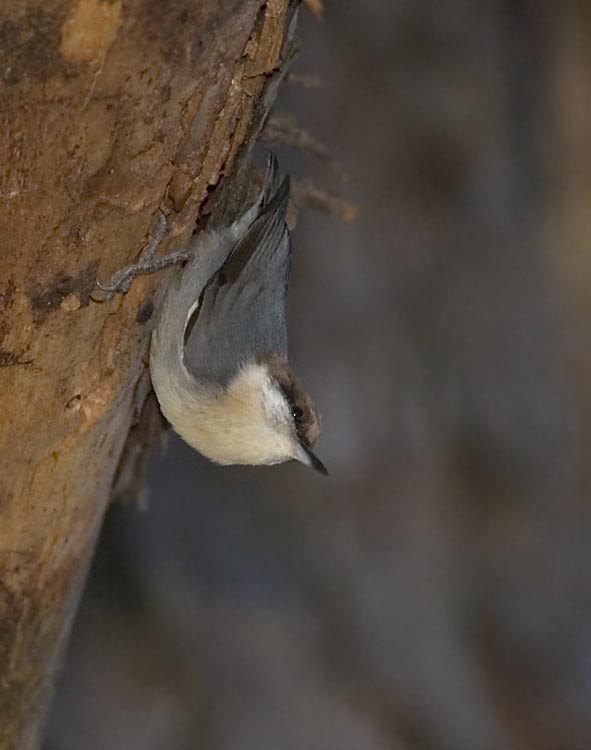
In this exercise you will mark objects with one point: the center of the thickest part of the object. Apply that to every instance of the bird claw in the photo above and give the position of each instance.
(120, 282)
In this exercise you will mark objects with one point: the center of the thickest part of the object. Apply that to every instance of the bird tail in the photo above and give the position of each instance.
(271, 181)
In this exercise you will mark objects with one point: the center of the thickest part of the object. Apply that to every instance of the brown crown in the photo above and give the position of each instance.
(306, 418)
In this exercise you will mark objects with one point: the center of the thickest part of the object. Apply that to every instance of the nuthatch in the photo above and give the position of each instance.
(218, 357)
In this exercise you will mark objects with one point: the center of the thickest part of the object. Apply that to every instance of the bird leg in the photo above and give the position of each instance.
(120, 282)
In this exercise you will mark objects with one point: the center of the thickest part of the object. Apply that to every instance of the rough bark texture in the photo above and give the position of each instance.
(108, 111)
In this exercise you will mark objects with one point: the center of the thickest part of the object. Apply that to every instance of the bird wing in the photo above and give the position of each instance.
(241, 314)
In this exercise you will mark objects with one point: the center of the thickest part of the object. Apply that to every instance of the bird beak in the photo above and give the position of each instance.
(305, 456)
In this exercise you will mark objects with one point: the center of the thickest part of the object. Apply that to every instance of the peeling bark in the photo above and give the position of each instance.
(108, 110)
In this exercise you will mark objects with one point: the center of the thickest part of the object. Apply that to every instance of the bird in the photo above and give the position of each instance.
(218, 352)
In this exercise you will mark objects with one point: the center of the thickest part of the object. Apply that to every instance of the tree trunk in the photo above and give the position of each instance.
(108, 110)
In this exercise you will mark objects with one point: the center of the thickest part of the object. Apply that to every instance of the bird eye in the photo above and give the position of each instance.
(297, 413)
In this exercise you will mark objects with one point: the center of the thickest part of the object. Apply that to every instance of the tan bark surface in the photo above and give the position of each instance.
(108, 110)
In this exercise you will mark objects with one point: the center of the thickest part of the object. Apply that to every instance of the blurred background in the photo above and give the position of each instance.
(434, 593)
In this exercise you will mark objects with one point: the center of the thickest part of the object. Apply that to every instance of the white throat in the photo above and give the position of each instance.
(247, 423)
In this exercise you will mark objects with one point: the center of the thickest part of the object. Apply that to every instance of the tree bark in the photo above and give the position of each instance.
(108, 110)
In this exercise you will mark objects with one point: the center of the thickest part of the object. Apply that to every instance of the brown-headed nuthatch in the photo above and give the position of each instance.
(218, 357)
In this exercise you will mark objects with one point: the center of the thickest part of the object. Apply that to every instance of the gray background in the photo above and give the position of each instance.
(434, 592)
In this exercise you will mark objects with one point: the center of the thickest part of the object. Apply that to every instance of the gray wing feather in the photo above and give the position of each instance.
(241, 315)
